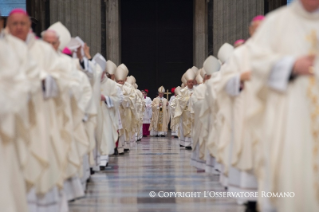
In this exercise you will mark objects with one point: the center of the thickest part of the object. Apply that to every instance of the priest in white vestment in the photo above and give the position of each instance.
(174, 132)
(184, 114)
(160, 116)
(107, 129)
(46, 186)
(126, 108)
(198, 100)
(237, 89)
(284, 61)
(76, 100)
(147, 113)
(15, 87)
(207, 114)
(219, 129)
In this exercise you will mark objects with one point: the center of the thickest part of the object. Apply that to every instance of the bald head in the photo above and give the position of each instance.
(19, 24)
(310, 5)
(255, 23)
(52, 38)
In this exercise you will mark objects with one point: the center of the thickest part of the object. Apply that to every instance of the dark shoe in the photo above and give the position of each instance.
(115, 152)
(92, 171)
(102, 168)
(144, 136)
(156, 136)
(126, 150)
(181, 146)
(251, 206)
(163, 136)
(175, 136)
(139, 139)
(122, 153)
(188, 148)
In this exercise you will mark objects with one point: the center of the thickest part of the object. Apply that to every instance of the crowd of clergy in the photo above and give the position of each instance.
(63, 113)
(249, 115)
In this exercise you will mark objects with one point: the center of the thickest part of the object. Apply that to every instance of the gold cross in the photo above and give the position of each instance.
(313, 40)
(167, 94)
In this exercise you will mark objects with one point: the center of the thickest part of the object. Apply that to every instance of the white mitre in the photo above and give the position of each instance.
(63, 33)
(199, 79)
(177, 90)
(131, 80)
(110, 67)
(189, 75)
(202, 72)
(161, 89)
(211, 65)
(123, 66)
(182, 85)
(194, 69)
(120, 74)
(225, 52)
(184, 81)
(100, 60)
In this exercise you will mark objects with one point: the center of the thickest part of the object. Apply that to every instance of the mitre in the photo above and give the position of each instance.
(120, 74)
(100, 60)
(131, 80)
(135, 86)
(184, 81)
(110, 67)
(189, 75)
(202, 72)
(63, 33)
(161, 89)
(211, 65)
(199, 79)
(124, 68)
(225, 52)
(194, 69)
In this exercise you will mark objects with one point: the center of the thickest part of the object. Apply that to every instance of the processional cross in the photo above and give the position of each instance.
(167, 94)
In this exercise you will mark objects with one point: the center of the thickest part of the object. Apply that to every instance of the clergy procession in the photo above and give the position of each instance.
(249, 115)
(63, 113)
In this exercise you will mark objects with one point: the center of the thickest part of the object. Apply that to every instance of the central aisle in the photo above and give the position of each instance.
(155, 164)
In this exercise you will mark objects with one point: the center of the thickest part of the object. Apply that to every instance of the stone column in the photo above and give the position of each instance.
(200, 32)
(113, 39)
(82, 18)
(231, 20)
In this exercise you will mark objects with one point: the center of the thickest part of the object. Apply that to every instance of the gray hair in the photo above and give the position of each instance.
(52, 32)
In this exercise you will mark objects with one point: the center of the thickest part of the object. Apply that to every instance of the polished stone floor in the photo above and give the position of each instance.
(155, 164)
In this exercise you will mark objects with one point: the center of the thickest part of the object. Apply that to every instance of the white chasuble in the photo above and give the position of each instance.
(148, 110)
(107, 134)
(286, 124)
(160, 116)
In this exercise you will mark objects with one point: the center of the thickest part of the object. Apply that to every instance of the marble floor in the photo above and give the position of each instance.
(154, 164)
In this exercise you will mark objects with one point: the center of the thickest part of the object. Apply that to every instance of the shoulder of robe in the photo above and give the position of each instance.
(15, 41)
(184, 90)
(44, 45)
(111, 82)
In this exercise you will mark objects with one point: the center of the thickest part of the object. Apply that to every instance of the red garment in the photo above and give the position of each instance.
(146, 132)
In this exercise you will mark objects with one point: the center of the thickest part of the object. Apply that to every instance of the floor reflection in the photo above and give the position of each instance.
(155, 164)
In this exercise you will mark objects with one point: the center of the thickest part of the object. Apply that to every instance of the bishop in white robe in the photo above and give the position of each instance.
(184, 114)
(147, 116)
(160, 116)
(285, 65)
